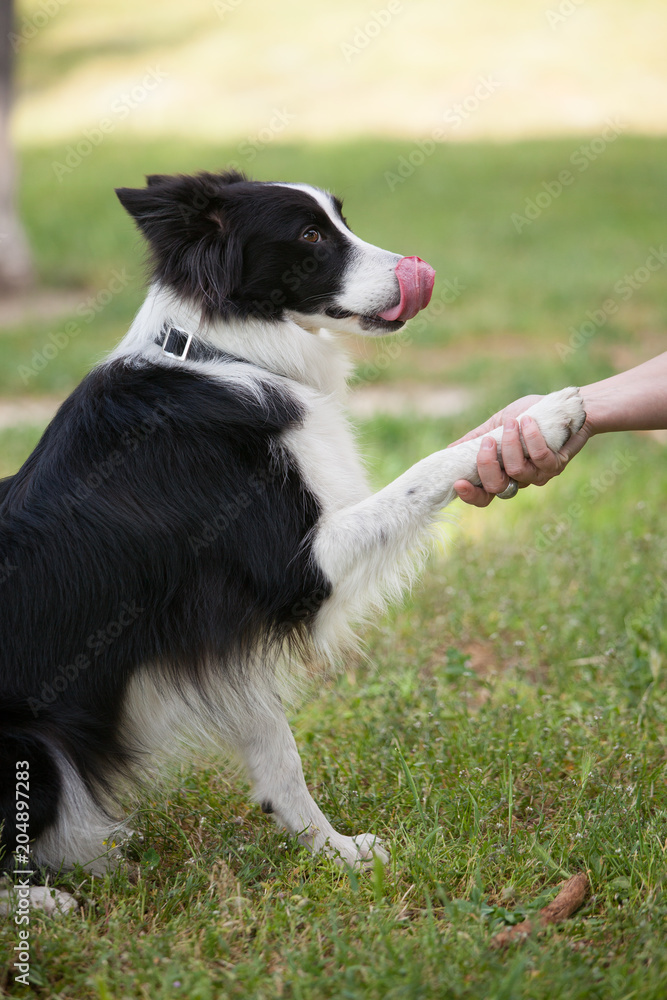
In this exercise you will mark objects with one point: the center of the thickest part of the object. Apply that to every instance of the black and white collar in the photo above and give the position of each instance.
(179, 344)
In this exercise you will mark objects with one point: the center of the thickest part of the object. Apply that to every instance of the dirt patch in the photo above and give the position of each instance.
(484, 659)
(648, 344)
(28, 411)
(499, 344)
(33, 304)
(427, 401)
(436, 362)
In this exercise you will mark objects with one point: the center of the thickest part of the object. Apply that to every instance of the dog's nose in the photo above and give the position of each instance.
(415, 280)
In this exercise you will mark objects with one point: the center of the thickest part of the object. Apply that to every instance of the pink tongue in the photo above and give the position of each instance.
(415, 280)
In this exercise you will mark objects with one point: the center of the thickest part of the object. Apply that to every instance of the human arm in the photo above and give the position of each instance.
(632, 400)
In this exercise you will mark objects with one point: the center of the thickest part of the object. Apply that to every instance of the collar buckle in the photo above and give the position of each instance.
(176, 343)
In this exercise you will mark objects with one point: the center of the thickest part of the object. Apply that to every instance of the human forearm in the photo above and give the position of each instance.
(632, 400)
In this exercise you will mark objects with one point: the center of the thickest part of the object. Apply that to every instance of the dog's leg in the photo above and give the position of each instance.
(82, 832)
(359, 547)
(356, 547)
(268, 750)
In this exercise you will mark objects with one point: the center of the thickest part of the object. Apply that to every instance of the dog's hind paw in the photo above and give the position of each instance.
(356, 852)
(39, 897)
(369, 847)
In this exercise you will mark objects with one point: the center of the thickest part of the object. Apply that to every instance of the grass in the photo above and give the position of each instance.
(510, 730)
(510, 727)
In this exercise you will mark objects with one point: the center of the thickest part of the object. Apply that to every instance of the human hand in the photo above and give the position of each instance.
(536, 468)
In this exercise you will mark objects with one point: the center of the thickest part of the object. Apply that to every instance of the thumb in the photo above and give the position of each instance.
(574, 444)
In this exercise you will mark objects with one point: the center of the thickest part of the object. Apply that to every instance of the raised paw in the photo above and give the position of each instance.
(356, 852)
(559, 415)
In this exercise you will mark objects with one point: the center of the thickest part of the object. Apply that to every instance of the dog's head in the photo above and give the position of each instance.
(245, 248)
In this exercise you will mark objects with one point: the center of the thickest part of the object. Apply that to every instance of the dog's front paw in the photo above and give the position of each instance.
(558, 415)
(356, 852)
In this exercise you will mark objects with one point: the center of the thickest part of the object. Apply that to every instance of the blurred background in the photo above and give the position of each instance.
(518, 147)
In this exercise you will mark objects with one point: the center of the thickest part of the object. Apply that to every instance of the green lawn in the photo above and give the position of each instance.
(509, 730)
(510, 725)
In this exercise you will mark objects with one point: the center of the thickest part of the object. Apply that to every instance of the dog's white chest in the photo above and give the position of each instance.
(326, 452)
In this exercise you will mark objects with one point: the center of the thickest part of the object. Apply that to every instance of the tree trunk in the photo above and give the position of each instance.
(15, 263)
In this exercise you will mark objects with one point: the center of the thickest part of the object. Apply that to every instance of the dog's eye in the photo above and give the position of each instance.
(312, 235)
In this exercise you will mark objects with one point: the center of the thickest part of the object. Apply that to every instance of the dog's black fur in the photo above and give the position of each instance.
(171, 550)
(116, 518)
(224, 261)
(160, 505)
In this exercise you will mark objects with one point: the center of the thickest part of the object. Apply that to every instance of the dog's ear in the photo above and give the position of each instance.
(184, 220)
(194, 201)
(193, 197)
(136, 202)
(152, 179)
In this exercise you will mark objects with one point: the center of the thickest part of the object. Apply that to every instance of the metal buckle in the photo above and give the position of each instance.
(188, 341)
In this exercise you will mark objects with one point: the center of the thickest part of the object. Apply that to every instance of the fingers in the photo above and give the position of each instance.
(575, 443)
(548, 462)
(536, 468)
(540, 465)
(515, 463)
(474, 495)
(493, 477)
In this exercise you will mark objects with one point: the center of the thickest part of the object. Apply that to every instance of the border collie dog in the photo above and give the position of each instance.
(194, 530)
